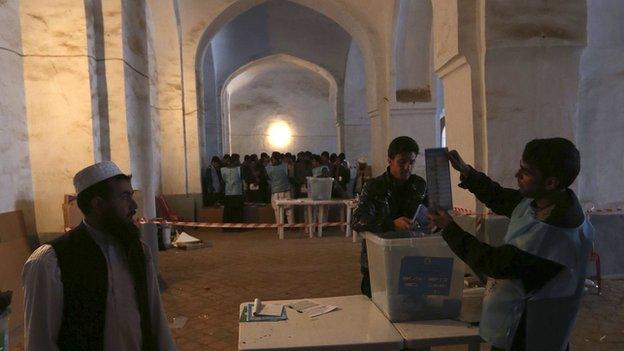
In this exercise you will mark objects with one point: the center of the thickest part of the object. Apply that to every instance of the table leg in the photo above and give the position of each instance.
(348, 230)
(280, 220)
(321, 217)
(310, 220)
(343, 218)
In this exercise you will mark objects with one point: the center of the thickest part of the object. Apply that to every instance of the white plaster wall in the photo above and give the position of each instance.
(357, 122)
(417, 121)
(531, 77)
(137, 98)
(168, 101)
(286, 92)
(601, 105)
(531, 93)
(58, 102)
(412, 49)
(15, 173)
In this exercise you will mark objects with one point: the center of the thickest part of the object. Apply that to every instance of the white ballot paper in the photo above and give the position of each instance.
(438, 179)
(262, 309)
(311, 308)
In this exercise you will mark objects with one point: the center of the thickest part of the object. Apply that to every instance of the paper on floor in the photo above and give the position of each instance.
(184, 238)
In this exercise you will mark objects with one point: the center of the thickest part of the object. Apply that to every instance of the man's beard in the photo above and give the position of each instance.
(123, 231)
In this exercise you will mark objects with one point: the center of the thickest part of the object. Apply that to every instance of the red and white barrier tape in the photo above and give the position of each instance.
(606, 210)
(237, 225)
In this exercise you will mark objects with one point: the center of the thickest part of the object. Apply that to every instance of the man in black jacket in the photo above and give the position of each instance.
(388, 202)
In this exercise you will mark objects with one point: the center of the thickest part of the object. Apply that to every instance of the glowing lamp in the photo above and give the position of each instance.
(279, 134)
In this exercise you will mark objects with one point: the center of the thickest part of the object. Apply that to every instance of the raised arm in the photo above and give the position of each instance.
(500, 200)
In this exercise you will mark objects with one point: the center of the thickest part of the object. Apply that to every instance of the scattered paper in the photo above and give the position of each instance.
(319, 310)
(178, 322)
(184, 238)
(311, 308)
(262, 309)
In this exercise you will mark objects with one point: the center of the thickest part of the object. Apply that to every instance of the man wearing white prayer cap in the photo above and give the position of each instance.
(364, 173)
(95, 288)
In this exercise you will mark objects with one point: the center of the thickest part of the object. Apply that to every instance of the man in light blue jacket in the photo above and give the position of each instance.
(280, 184)
(536, 278)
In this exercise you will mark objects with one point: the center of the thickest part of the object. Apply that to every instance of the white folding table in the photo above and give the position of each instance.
(357, 325)
(318, 207)
(422, 335)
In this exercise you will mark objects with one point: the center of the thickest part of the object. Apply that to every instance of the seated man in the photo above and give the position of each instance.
(539, 272)
(389, 202)
(95, 287)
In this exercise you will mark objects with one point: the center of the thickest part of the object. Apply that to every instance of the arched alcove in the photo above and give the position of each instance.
(279, 89)
(209, 109)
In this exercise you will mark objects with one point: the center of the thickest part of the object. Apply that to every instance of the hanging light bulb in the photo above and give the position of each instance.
(279, 134)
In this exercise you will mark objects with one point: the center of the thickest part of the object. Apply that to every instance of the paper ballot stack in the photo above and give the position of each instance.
(438, 179)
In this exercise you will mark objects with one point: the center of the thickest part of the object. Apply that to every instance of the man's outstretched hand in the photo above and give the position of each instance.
(440, 219)
(458, 163)
(402, 223)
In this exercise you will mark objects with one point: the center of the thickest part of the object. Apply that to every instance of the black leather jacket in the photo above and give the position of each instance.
(382, 201)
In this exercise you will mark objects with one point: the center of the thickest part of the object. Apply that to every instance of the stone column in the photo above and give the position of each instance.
(600, 119)
(15, 172)
(456, 62)
(510, 74)
(58, 102)
(531, 70)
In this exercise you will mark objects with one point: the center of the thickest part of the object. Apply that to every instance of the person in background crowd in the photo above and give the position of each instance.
(225, 161)
(233, 201)
(290, 164)
(340, 173)
(95, 287)
(277, 172)
(389, 202)
(265, 159)
(251, 176)
(318, 168)
(303, 170)
(325, 159)
(364, 174)
(213, 183)
(343, 160)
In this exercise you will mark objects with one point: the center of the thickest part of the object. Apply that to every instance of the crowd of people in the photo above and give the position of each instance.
(266, 179)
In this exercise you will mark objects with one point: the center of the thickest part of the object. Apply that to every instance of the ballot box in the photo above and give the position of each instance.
(414, 276)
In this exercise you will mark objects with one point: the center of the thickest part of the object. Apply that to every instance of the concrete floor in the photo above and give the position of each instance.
(207, 286)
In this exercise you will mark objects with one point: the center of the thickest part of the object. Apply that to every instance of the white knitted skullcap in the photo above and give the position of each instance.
(94, 174)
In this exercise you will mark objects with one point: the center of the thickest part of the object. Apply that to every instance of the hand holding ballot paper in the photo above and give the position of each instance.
(439, 185)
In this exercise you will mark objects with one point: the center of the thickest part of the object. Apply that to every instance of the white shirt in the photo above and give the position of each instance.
(43, 300)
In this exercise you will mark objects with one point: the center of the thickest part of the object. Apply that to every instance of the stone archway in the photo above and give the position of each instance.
(276, 60)
(195, 51)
